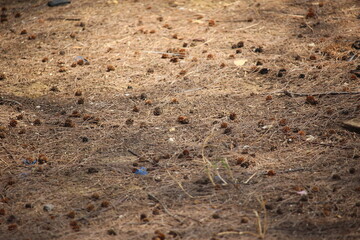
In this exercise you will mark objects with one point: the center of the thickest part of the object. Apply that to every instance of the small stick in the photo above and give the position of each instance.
(169, 53)
(292, 94)
(247, 27)
(8, 152)
(290, 170)
(250, 178)
(237, 233)
(9, 100)
(72, 19)
(135, 154)
(155, 199)
(4, 162)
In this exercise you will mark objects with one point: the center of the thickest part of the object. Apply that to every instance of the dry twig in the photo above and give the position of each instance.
(292, 94)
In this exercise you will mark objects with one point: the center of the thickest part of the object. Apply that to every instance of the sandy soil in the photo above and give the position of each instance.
(235, 109)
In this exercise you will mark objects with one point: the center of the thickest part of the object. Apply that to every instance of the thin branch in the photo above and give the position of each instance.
(250, 178)
(292, 94)
(8, 152)
(3, 100)
(155, 199)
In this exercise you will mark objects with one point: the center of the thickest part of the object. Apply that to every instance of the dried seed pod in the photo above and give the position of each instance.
(110, 68)
(183, 120)
(69, 123)
(311, 100)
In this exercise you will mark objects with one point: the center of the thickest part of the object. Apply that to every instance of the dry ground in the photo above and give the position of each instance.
(285, 159)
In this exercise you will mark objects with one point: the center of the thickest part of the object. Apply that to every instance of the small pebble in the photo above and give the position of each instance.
(48, 207)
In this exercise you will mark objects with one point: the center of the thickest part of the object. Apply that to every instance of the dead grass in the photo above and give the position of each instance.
(204, 181)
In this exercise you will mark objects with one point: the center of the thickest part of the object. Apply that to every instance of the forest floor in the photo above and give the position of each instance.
(235, 109)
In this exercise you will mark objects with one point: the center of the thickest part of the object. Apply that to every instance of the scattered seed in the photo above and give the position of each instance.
(311, 100)
(11, 219)
(92, 170)
(110, 68)
(239, 160)
(174, 101)
(310, 14)
(264, 71)
(211, 23)
(12, 227)
(183, 120)
(90, 207)
(174, 60)
(215, 216)
(69, 123)
(182, 72)
(232, 116)
(2, 76)
(336, 177)
(129, 121)
(28, 205)
(227, 130)
(281, 72)
(157, 111)
(268, 98)
(312, 57)
(210, 56)
(81, 101)
(95, 196)
(244, 220)
(42, 159)
(80, 62)
(78, 93)
(224, 125)
(71, 214)
(32, 37)
(282, 122)
(37, 122)
(111, 232)
(75, 226)
(143, 217)
(13, 123)
(356, 45)
(136, 109)
(143, 96)
(105, 204)
(54, 89)
(156, 211)
(238, 45)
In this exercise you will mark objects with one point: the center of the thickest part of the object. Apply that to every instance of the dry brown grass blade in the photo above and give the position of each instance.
(262, 225)
(206, 161)
(180, 185)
